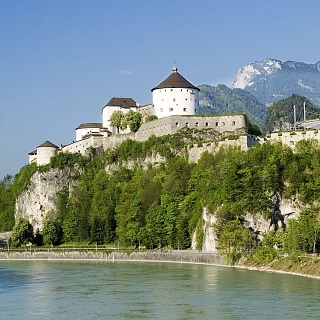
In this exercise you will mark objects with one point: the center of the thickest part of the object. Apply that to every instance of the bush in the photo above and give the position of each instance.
(22, 233)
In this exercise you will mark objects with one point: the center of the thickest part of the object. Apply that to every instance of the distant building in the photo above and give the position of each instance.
(175, 103)
(43, 153)
(86, 129)
(175, 96)
(116, 104)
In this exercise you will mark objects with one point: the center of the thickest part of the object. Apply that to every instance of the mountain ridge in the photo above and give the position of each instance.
(271, 80)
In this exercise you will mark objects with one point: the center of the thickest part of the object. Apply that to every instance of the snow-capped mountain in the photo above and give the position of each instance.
(271, 80)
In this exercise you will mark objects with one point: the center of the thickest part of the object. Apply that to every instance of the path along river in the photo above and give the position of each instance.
(151, 290)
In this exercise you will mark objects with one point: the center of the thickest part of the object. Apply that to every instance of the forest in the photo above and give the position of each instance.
(118, 198)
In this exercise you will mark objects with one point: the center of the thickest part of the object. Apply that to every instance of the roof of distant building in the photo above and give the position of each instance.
(121, 102)
(47, 144)
(90, 125)
(175, 80)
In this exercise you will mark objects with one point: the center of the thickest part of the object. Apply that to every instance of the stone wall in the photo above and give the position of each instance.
(243, 142)
(170, 125)
(160, 256)
(290, 138)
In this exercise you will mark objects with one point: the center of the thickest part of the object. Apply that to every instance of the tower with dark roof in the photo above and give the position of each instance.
(175, 96)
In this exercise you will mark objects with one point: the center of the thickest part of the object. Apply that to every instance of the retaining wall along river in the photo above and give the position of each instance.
(175, 256)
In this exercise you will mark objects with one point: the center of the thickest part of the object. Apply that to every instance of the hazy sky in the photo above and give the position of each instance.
(61, 61)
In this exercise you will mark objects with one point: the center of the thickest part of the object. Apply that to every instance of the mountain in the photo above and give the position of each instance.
(223, 100)
(271, 80)
(281, 115)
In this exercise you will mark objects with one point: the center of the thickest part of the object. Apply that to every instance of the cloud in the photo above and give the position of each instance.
(124, 72)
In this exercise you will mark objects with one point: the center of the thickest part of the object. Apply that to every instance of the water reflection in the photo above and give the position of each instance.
(100, 290)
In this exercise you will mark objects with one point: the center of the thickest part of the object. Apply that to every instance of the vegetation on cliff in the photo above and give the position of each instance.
(119, 198)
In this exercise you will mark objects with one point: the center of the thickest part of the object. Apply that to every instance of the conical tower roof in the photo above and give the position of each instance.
(175, 80)
(47, 144)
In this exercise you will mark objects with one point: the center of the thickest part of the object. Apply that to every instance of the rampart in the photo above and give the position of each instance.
(290, 138)
(170, 125)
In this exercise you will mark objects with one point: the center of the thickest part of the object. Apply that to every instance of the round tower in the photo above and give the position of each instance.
(175, 96)
(45, 151)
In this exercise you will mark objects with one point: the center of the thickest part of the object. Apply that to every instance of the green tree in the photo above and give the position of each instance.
(116, 120)
(22, 233)
(132, 120)
(150, 118)
(7, 204)
(102, 212)
(50, 232)
(234, 239)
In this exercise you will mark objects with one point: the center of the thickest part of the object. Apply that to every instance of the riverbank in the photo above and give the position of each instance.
(170, 256)
(301, 266)
(307, 267)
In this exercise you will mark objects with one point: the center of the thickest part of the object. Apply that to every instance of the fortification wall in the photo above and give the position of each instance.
(243, 142)
(290, 138)
(170, 125)
(83, 145)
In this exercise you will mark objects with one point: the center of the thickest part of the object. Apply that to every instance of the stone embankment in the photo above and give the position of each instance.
(170, 256)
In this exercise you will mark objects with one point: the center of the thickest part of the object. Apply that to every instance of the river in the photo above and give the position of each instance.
(149, 290)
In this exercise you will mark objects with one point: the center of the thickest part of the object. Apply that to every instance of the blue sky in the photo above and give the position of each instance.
(61, 61)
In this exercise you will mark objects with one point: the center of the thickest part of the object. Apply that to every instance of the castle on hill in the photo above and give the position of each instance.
(175, 102)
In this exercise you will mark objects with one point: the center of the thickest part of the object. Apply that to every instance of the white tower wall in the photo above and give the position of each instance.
(44, 154)
(107, 112)
(175, 101)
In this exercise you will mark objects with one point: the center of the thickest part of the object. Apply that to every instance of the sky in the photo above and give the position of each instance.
(61, 61)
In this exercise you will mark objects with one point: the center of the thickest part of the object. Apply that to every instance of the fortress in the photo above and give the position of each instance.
(175, 103)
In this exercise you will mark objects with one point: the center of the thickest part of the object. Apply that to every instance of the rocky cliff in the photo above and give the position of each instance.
(283, 210)
(40, 198)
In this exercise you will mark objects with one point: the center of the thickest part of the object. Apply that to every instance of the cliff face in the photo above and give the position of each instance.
(41, 196)
(284, 210)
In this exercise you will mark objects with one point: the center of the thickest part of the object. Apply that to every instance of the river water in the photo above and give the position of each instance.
(149, 290)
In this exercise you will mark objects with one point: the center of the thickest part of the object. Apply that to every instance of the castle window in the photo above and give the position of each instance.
(184, 109)
(174, 99)
(223, 124)
(177, 124)
(217, 123)
(207, 124)
(197, 124)
(170, 109)
(233, 123)
(187, 124)
(171, 89)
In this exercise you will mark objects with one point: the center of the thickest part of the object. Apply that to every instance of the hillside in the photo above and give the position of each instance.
(281, 115)
(223, 100)
(271, 80)
(148, 194)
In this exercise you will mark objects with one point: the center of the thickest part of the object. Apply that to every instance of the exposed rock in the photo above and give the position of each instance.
(258, 223)
(41, 196)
